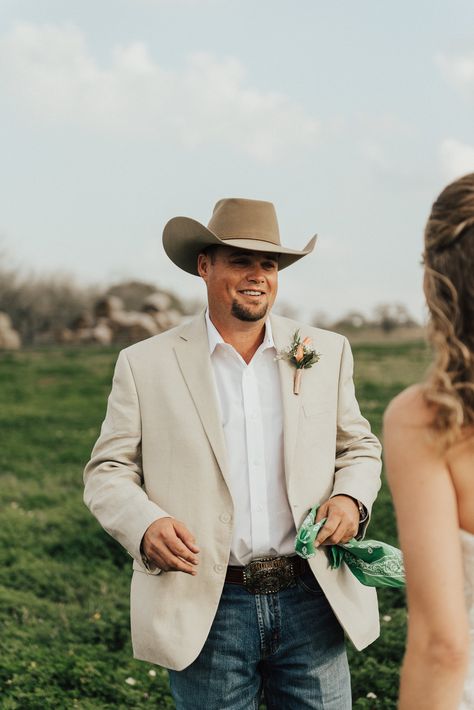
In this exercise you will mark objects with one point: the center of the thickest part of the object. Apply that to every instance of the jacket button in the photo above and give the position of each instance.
(225, 518)
(219, 568)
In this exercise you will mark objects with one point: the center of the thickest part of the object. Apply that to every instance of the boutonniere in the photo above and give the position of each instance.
(301, 355)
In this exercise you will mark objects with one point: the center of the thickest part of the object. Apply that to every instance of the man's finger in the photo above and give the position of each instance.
(328, 529)
(180, 550)
(339, 535)
(172, 563)
(186, 536)
(322, 512)
(342, 533)
(171, 545)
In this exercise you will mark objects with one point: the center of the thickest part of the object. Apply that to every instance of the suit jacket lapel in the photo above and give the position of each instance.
(192, 352)
(282, 336)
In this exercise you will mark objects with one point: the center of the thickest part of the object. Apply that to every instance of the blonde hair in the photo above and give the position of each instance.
(449, 291)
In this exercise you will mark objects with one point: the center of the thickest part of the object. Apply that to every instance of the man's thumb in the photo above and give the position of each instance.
(322, 512)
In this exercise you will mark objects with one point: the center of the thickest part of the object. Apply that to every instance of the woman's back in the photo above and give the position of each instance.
(409, 412)
(429, 452)
(460, 461)
(433, 493)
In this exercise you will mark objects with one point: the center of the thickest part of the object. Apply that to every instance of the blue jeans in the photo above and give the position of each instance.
(288, 646)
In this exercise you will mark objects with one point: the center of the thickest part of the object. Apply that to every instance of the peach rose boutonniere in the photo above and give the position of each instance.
(301, 355)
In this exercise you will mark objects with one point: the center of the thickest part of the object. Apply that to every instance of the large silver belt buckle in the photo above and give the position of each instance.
(268, 575)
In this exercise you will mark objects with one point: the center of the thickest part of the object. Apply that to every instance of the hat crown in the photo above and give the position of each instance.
(236, 222)
(238, 218)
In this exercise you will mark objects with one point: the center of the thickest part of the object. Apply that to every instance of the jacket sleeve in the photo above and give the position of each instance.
(358, 461)
(113, 477)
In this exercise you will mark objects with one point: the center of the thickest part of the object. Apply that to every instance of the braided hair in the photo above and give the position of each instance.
(449, 290)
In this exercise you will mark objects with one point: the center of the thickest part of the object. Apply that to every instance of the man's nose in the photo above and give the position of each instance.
(255, 274)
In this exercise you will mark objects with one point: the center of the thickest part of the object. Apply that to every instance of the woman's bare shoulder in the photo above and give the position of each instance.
(409, 409)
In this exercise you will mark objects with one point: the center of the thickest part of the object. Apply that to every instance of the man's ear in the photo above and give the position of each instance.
(203, 261)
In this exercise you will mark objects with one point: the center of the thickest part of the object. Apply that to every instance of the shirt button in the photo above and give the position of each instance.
(219, 568)
(225, 518)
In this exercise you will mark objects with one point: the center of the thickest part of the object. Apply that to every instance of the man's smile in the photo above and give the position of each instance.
(252, 292)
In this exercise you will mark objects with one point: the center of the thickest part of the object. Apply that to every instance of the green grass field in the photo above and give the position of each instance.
(64, 584)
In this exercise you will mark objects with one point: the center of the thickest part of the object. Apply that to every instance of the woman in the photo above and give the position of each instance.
(429, 452)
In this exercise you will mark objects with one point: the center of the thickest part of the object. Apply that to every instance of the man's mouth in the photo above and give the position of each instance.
(252, 292)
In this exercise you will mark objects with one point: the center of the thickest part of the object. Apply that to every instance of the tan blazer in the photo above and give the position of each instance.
(162, 448)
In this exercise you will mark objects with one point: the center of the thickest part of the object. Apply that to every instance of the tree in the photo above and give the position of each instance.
(353, 320)
(389, 316)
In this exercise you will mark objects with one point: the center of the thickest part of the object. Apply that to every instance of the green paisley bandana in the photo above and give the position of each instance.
(374, 563)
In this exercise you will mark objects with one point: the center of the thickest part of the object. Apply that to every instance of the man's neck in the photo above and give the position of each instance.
(244, 336)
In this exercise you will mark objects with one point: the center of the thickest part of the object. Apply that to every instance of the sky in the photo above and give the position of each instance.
(116, 115)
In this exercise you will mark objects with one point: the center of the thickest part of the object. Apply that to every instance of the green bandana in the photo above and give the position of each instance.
(374, 563)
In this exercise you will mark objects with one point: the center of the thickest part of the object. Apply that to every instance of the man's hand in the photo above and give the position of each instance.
(169, 545)
(342, 513)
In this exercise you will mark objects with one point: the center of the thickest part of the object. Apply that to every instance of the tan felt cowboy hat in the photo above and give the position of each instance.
(235, 222)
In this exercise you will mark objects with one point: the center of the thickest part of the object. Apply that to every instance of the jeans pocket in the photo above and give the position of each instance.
(310, 584)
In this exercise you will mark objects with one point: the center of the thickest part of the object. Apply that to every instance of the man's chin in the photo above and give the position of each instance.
(250, 315)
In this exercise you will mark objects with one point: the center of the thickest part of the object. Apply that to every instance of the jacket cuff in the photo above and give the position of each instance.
(152, 513)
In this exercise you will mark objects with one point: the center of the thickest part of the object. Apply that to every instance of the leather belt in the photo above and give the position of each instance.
(268, 575)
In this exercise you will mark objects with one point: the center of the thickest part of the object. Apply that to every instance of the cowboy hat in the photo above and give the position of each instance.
(235, 222)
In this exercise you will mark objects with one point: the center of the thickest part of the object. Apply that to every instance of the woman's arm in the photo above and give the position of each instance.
(435, 662)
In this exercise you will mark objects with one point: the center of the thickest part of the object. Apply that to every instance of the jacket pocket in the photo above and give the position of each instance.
(137, 567)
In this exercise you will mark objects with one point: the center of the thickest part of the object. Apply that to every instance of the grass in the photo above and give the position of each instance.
(64, 584)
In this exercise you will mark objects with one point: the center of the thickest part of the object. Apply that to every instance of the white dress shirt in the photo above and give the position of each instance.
(252, 420)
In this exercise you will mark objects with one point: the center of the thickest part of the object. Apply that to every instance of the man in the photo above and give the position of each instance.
(207, 464)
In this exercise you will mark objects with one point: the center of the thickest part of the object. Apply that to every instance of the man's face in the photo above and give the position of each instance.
(240, 284)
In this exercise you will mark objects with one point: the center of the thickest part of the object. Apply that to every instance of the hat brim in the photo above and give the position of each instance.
(184, 238)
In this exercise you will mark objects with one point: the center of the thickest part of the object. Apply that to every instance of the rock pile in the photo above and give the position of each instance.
(9, 337)
(111, 323)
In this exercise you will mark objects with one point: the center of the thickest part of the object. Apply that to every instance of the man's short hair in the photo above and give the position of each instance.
(210, 251)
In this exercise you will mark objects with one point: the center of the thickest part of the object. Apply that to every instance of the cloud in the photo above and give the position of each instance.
(458, 70)
(175, 2)
(457, 158)
(376, 156)
(52, 72)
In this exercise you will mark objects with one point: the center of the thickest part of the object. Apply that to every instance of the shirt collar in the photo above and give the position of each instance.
(215, 338)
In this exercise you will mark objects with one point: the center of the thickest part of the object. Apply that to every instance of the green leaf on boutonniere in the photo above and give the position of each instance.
(301, 355)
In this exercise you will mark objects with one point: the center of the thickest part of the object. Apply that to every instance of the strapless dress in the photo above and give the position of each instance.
(467, 541)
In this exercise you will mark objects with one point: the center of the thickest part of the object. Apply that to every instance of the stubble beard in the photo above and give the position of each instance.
(246, 314)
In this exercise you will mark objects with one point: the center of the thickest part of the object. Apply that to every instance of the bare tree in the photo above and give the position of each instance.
(389, 316)
(353, 320)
